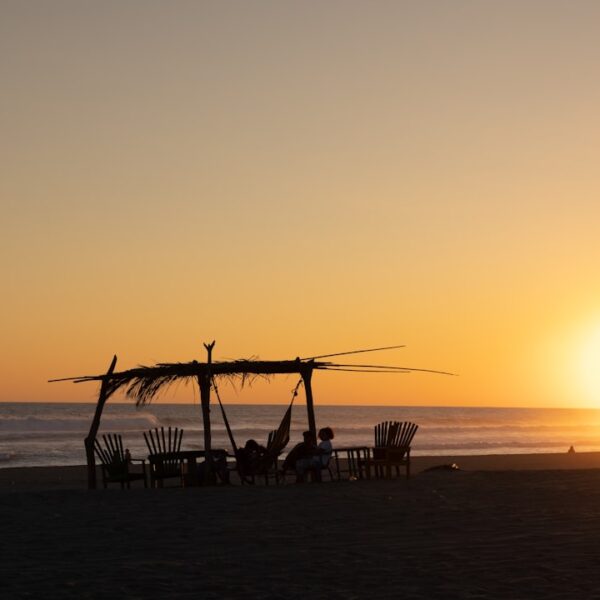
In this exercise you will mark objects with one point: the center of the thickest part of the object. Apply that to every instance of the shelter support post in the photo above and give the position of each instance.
(204, 381)
(310, 409)
(91, 437)
(204, 384)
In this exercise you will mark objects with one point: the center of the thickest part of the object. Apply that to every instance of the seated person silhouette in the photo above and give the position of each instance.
(325, 448)
(301, 456)
(250, 455)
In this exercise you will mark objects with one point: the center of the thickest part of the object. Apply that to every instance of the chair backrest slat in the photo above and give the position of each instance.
(407, 434)
(112, 455)
(393, 434)
(160, 441)
(277, 441)
(113, 452)
(101, 452)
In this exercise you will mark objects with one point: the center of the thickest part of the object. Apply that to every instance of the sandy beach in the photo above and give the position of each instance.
(520, 526)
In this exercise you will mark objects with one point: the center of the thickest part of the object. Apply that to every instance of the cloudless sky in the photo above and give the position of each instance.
(297, 178)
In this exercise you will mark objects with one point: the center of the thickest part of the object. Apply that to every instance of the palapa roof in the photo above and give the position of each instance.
(143, 383)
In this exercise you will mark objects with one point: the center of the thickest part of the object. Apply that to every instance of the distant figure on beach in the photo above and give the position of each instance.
(571, 450)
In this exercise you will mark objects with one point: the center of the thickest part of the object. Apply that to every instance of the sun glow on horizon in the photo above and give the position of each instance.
(588, 362)
(291, 180)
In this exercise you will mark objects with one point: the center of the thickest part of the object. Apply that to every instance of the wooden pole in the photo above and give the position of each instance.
(306, 375)
(91, 437)
(204, 382)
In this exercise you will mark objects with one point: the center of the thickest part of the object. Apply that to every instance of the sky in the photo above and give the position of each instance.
(299, 178)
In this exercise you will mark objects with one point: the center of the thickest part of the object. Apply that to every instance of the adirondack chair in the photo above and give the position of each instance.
(160, 441)
(116, 464)
(392, 448)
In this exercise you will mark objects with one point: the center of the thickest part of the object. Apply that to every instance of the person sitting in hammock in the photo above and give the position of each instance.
(249, 457)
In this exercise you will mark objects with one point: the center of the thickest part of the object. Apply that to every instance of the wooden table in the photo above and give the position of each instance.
(188, 458)
(356, 458)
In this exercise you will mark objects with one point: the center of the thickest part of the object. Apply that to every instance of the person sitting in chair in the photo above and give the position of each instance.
(320, 456)
(325, 448)
(308, 456)
(301, 456)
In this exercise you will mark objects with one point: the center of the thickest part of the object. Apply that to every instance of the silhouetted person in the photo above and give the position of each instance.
(325, 448)
(301, 456)
(250, 455)
(320, 458)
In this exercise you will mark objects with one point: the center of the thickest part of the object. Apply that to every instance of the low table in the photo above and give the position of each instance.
(356, 458)
(189, 470)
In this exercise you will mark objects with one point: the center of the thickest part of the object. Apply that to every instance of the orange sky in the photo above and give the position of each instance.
(302, 178)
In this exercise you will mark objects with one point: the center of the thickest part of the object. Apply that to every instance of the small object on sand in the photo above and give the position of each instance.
(447, 467)
(571, 450)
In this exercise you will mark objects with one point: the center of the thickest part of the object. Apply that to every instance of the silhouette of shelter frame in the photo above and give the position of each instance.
(142, 384)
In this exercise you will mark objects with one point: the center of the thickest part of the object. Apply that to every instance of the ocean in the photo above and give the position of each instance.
(45, 434)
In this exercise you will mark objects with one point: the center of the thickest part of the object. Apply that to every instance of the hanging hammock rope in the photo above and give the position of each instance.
(284, 425)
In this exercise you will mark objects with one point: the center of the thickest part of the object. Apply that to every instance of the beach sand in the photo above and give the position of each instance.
(519, 526)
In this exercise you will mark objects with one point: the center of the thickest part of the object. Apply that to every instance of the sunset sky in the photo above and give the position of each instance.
(298, 178)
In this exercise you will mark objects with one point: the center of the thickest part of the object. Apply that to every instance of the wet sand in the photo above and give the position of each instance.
(520, 526)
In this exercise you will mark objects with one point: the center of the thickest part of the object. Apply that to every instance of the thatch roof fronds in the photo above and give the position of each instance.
(354, 352)
(143, 383)
(377, 368)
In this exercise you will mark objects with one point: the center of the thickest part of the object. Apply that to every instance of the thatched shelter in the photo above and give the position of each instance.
(142, 384)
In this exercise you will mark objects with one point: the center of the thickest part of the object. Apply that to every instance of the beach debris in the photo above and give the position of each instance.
(446, 467)
(571, 450)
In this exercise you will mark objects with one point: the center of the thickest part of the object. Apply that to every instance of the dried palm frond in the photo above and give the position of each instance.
(143, 383)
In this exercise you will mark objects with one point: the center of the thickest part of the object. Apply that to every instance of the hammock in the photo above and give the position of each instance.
(278, 439)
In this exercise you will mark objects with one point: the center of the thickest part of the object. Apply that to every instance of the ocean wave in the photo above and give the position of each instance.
(7, 456)
(77, 424)
(490, 445)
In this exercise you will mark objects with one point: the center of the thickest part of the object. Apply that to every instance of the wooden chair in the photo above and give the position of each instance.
(160, 441)
(275, 446)
(392, 448)
(316, 473)
(268, 464)
(115, 464)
